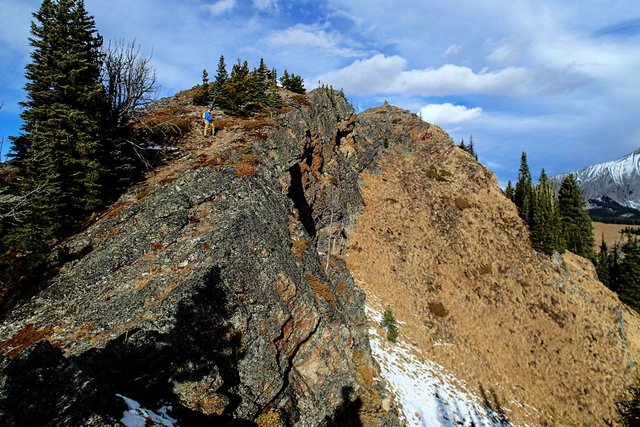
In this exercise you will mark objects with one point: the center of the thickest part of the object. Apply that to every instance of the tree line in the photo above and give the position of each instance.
(244, 92)
(557, 223)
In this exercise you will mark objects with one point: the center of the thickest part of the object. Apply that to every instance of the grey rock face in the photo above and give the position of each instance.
(215, 291)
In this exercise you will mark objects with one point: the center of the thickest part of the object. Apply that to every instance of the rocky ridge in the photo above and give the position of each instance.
(212, 287)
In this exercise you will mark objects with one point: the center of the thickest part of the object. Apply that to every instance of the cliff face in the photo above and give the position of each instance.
(209, 288)
(538, 340)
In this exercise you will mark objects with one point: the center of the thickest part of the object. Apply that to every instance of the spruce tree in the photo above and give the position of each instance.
(390, 324)
(576, 223)
(62, 118)
(523, 193)
(509, 192)
(546, 230)
(603, 264)
(628, 287)
(218, 85)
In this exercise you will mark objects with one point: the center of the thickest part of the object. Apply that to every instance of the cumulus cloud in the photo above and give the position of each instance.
(447, 113)
(221, 6)
(382, 74)
(314, 37)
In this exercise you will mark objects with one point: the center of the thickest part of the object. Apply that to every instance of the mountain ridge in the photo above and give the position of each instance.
(615, 181)
(223, 284)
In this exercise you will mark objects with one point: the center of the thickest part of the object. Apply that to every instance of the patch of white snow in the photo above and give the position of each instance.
(138, 416)
(428, 395)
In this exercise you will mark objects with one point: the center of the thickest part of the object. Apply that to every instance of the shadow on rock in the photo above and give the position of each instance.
(348, 413)
(193, 368)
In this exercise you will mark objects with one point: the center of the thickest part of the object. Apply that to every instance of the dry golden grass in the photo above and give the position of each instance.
(478, 300)
(611, 232)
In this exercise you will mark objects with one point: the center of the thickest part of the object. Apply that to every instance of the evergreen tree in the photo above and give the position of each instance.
(603, 264)
(523, 193)
(546, 230)
(628, 287)
(509, 192)
(462, 145)
(63, 119)
(471, 149)
(576, 223)
(292, 82)
(390, 324)
(218, 85)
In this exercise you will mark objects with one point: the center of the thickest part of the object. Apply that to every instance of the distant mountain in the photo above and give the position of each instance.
(611, 189)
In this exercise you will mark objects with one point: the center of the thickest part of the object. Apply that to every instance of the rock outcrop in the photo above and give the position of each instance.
(212, 287)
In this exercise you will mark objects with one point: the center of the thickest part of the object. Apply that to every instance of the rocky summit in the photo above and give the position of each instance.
(220, 290)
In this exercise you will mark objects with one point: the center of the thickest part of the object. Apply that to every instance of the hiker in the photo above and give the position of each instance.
(208, 121)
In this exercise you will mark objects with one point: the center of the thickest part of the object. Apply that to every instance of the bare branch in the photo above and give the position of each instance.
(13, 208)
(129, 79)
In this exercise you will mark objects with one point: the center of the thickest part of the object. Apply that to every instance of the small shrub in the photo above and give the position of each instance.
(270, 418)
(390, 324)
(438, 309)
(245, 169)
(628, 410)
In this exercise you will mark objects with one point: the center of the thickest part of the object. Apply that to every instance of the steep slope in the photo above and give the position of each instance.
(203, 289)
(611, 186)
(540, 341)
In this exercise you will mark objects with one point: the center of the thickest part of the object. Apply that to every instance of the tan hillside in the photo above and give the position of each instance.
(610, 232)
(539, 339)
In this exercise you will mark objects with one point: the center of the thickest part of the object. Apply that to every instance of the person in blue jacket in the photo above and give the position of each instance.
(208, 122)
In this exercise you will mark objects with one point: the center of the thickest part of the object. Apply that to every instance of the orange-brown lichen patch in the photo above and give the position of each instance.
(25, 337)
(321, 289)
(299, 247)
(245, 169)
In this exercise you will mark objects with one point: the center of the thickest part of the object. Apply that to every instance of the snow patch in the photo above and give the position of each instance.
(138, 416)
(427, 394)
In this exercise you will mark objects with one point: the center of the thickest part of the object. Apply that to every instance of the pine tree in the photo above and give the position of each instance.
(524, 191)
(471, 149)
(576, 223)
(63, 118)
(390, 324)
(546, 230)
(218, 85)
(509, 192)
(603, 264)
(292, 82)
(628, 288)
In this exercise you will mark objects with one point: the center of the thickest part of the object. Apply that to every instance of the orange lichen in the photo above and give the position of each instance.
(24, 338)
(321, 289)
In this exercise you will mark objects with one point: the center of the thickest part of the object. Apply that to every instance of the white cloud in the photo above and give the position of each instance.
(314, 37)
(387, 75)
(452, 50)
(221, 6)
(447, 113)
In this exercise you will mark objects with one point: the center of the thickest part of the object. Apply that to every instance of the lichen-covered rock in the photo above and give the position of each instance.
(213, 287)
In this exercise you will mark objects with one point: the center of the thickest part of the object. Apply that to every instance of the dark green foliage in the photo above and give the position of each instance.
(628, 408)
(469, 148)
(509, 192)
(628, 283)
(603, 264)
(523, 193)
(245, 91)
(63, 118)
(292, 82)
(576, 223)
(390, 324)
(204, 93)
(546, 230)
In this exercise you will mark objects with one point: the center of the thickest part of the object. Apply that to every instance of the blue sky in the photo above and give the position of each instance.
(559, 80)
